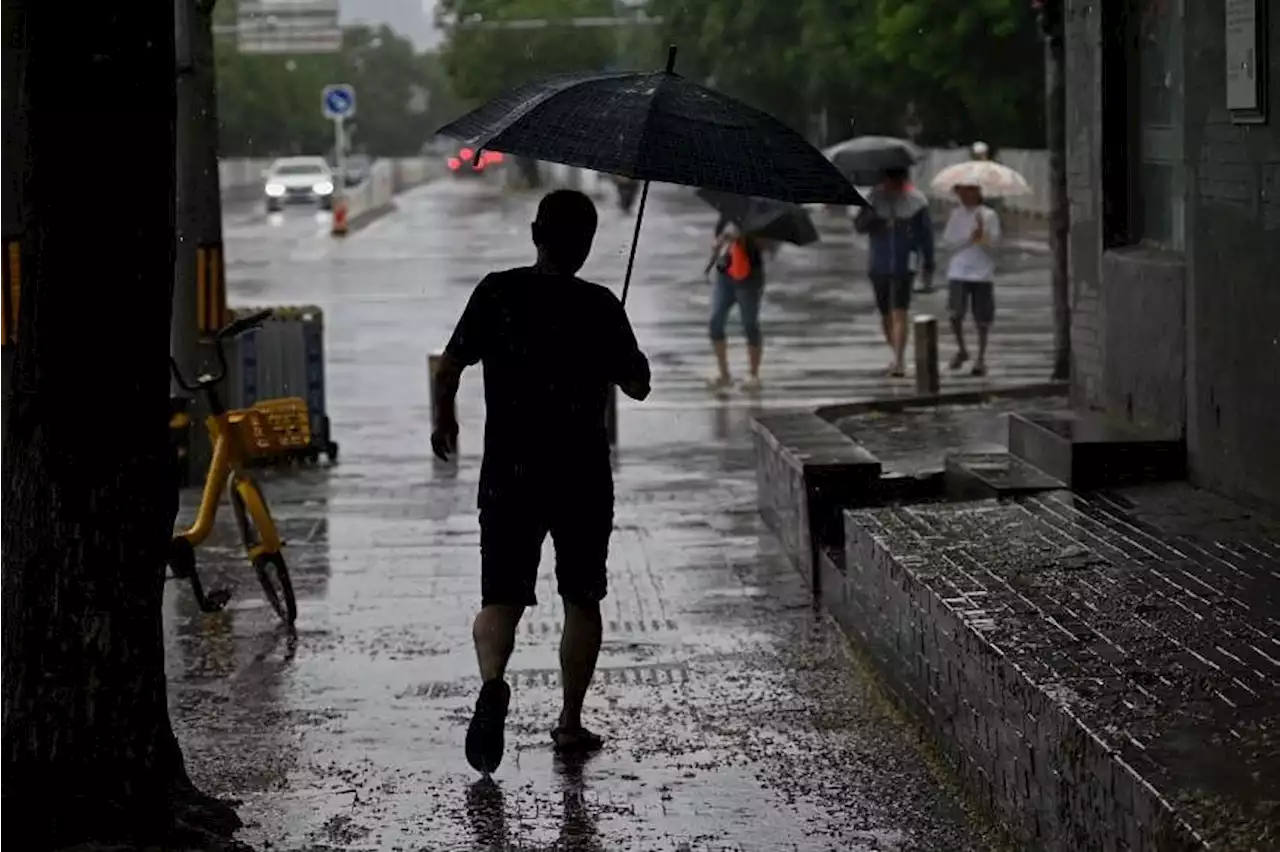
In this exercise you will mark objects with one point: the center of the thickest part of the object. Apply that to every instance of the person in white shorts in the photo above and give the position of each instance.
(972, 232)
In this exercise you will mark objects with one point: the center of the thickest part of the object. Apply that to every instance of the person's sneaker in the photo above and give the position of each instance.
(485, 733)
(979, 369)
(719, 383)
(958, 360)
(751, 384)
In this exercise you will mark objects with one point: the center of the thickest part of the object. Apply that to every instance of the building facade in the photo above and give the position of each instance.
(1173, 162)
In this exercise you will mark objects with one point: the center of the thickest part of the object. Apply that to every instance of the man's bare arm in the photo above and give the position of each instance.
(637, 382)
(444, 433)
(447, 380)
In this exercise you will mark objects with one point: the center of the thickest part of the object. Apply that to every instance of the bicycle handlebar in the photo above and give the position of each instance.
(235, 328)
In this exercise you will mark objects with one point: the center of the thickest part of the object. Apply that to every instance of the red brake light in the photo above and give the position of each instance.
(454, 164)
(492, 156)
(466, 153)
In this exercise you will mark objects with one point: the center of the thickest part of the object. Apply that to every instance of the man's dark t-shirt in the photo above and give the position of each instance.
(551, 346)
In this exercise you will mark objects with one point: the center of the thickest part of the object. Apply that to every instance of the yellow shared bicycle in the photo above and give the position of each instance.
(239, 436)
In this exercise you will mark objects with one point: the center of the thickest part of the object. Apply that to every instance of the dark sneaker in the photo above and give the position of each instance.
(958, 360)
(979, 369)
(485, 734)
(576, 740)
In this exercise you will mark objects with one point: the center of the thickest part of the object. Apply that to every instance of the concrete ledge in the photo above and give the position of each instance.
(807, 471)
(831, 413)
(1087, 451)
(1069, 686)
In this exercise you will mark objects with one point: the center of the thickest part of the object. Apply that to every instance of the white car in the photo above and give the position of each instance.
(298, 180)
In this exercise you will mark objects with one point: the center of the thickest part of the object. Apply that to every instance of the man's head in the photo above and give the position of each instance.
(895, 180)
(970, 196)
(980, 150)
(564, 229)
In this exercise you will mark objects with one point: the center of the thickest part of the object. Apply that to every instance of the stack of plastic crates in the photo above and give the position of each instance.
(283, 361)
(273, 429)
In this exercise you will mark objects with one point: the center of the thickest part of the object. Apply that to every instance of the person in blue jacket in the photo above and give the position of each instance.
(897, 224)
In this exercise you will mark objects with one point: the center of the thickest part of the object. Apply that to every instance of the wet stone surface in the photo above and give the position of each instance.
(1124, 642)
(919, 439)
(735, 717)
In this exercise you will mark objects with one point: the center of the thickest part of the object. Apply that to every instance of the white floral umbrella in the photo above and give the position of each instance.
(995, 180)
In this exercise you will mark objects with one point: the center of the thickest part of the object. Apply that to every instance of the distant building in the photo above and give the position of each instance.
(1173, 160)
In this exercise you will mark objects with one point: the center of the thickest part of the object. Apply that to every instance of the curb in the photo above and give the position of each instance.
(895, 405)
(368, 217)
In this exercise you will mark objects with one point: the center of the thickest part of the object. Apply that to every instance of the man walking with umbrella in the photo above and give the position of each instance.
(551, 345)
(897, 224)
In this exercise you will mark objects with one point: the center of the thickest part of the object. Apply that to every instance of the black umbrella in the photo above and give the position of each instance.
(764, 218)
(654, 127)
(863, 159)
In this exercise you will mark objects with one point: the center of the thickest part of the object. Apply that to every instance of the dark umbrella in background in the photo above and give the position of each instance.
(863, 159)
(762, 218)
(654, 127)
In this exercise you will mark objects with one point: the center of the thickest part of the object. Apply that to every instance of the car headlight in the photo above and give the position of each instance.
(324, 187)
(275, 190)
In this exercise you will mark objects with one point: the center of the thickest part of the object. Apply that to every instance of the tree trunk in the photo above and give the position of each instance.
(89, 494)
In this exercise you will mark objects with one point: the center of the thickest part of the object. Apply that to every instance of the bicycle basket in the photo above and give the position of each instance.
(274, 427)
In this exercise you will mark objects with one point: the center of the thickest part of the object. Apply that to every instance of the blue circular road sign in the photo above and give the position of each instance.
(339, 101)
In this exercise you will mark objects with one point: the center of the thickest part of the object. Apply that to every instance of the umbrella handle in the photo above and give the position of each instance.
(635, 240)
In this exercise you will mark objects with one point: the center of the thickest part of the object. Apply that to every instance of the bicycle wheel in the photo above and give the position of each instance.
(273, 573)
(278, 589)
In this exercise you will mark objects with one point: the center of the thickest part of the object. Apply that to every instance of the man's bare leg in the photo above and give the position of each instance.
(980, 366)
(579, 650)
(898, 340)
(494, 632)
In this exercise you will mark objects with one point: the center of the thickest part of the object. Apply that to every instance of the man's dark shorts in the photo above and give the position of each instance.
(981, 294)
(513, 528)
(893, 292)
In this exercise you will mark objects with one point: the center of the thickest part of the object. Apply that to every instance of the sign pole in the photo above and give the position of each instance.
(338, 103)
(340, 161)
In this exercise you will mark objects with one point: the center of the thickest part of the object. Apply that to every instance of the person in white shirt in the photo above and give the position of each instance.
(972, 231)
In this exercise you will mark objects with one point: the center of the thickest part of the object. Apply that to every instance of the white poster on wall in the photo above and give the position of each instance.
(1242, 54)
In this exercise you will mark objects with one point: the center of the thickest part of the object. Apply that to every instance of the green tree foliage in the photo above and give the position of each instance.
(269, 105)
(482, 61)
(972, 69)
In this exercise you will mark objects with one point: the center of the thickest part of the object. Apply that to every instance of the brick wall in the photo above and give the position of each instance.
(1233, 258)
(1188, 339)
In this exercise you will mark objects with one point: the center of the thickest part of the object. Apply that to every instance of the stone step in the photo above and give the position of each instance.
(1099, 668)
(1087, 451)
(973, 476)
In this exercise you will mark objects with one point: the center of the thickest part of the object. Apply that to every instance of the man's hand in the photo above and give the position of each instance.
(444, 440)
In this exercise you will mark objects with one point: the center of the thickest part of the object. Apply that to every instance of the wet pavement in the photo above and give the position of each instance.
(736, 717)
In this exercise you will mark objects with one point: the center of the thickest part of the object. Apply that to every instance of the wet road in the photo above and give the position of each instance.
(736, 718)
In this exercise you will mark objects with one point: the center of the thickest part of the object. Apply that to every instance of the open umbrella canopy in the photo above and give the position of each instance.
(764, 218)
(863, 159)
(994, 179)
(655, 127)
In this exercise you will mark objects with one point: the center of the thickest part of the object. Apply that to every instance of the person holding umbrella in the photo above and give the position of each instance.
(747, 230)
(897, 224)
(738, 280)
(972, 231)
(551, 345)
